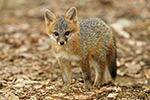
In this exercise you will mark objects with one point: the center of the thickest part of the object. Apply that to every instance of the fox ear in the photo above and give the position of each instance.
(49, 16)
(72, 14)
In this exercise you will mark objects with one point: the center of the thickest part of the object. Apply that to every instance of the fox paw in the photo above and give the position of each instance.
(96, 85)
(88, 86)
(65, 88)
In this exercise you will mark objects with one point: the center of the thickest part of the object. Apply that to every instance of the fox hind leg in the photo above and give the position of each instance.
(86, 73)
(99, 67)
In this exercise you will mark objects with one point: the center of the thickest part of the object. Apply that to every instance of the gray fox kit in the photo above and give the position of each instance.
(88, 42)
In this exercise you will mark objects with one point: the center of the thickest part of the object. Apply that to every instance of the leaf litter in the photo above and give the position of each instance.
(29, 70)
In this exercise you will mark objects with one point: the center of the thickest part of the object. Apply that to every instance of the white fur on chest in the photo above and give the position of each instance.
(68, 56)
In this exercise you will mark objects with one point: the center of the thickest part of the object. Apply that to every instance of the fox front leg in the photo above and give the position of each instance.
(66, 74)
(100, 67)
(86, 73)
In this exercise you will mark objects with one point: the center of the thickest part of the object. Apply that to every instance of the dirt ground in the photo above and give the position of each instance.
(29, 70)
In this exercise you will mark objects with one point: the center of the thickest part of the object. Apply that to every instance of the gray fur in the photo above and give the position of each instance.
(90, 31)
(91, 28)
(61, 25)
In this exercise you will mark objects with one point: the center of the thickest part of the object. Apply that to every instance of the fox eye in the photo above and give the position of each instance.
(67, 32)
(56, 33)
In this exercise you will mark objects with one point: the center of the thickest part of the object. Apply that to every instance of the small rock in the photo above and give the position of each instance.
(147, 90)
(112, 95)
(18, 85)
(61, 94)
(37, 86)
(19, 81)
(68, 98)
(50, 87)
(29, 82)
(73, 80)
(140, 43)
(142, 63)
(13, 97)
(103, 89)
(98, 91)
(55, 95)
(119, 72)
(142, 81)
(33, 98)
(147, 73)
(84, 97)
(124, 22)
(49, 98)
(74, 88)
(132, 68)
(21, 49)
(117, 89)
(118, 63)
(131, 42)
(138, 51)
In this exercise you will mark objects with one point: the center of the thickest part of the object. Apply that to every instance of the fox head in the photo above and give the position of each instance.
(63, 27)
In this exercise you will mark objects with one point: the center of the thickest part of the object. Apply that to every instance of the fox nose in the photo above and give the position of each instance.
(61, 42)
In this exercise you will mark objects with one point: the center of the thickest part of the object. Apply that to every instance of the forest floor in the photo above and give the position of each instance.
(29, 70)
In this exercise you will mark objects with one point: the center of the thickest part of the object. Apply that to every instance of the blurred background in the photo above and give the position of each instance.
(27, 62)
